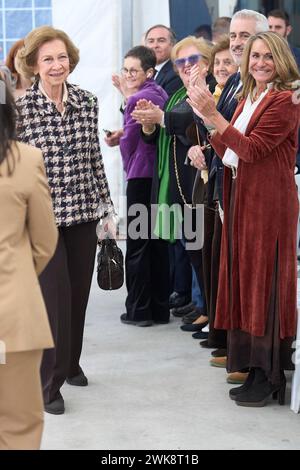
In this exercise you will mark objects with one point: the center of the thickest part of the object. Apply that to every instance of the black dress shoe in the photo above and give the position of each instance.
(193, 326)
(207, 344)
(200, 335)
(79, 380)
(55, 407)
(178, 300)
(182, 311)
(221, 352)
(161, 322)
(125, 319)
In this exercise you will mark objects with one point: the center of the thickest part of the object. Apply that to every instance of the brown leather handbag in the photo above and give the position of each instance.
(110, 265)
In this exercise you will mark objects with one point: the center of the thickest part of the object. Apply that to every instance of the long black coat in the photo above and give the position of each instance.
(178, 122)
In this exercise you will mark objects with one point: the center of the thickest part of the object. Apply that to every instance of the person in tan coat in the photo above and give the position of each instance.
(28, 238)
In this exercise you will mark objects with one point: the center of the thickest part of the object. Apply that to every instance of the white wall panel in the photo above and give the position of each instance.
(95, 28)
(226, 7)
(147, 13)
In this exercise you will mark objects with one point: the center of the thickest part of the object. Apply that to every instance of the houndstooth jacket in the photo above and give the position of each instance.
(71, 151)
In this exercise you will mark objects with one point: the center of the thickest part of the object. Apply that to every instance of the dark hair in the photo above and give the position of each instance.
(146, 56)
(172, 33)
(7, 125)
(203, 31)
(283, 15)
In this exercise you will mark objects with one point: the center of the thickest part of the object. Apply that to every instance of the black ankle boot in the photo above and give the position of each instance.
(234, 392)
(261, 389)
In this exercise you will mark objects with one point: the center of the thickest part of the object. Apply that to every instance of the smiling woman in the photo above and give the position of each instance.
(257, 295)
(62, 120)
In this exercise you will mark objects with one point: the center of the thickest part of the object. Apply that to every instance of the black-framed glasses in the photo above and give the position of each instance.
(131, 72)
(190, 60)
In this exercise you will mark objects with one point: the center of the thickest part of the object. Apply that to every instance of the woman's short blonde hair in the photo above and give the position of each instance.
(27, 55)
(203, 47)
(223, 44)
(285, 64)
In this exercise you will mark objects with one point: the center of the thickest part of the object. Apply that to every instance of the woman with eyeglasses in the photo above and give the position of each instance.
(62, 120)
(173, 130)
(28, 238)
(146, 262)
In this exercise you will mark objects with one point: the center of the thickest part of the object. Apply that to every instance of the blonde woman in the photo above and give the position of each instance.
(258, 278)
(173, 178)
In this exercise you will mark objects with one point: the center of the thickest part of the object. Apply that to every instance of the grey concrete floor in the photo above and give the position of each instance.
(152, 388)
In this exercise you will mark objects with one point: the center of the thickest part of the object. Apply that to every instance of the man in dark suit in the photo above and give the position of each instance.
(161, 39)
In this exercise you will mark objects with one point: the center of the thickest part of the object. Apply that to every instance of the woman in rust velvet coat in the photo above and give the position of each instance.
(258, 279)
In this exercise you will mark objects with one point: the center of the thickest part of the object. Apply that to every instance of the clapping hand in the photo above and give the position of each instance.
(202, 101)
(147, 113)
(198, 76)
(119, 83)
(142, 105)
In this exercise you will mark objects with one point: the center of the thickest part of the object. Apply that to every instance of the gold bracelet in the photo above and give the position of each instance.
(147, 132)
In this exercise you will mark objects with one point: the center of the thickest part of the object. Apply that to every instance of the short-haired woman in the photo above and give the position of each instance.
(146, 261)
(62, 120)
(171, 128)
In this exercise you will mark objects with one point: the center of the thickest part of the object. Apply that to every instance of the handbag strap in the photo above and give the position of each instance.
(190, 206)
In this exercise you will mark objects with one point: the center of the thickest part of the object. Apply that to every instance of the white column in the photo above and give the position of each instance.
(226, 7)
(147, 13)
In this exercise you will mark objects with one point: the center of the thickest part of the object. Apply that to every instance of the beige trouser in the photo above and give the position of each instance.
(21, 403)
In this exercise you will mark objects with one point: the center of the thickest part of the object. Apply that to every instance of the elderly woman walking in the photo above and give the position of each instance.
(62, 120)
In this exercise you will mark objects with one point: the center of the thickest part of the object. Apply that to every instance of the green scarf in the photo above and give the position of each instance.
(167, 221)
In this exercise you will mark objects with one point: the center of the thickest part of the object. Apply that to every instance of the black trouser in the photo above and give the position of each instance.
(65, 285)
(146, 264)
(211, 264)
(195, 255)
